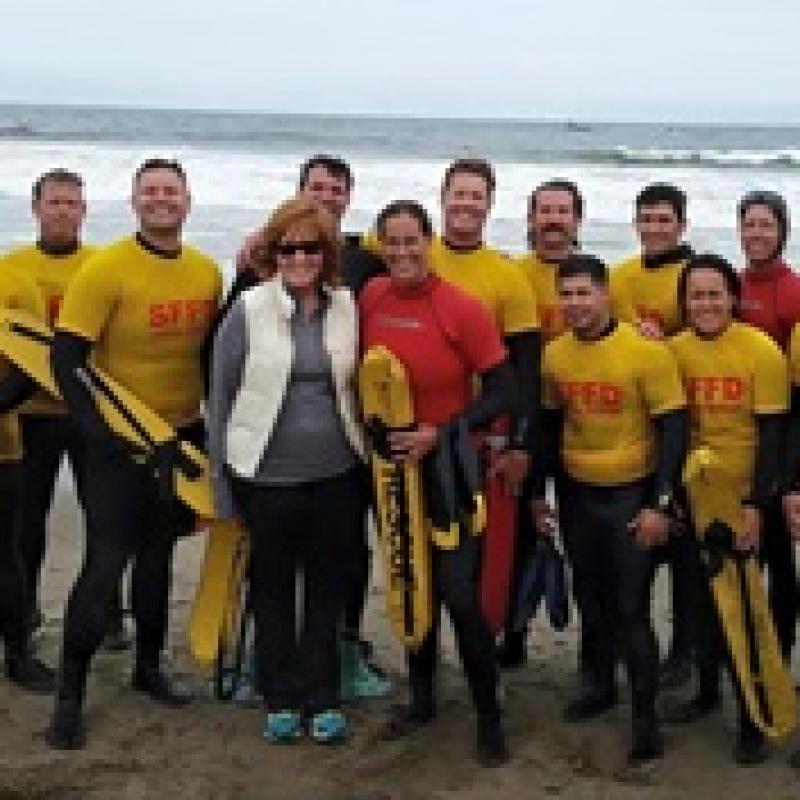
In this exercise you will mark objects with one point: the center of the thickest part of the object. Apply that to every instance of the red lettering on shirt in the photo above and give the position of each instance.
(715, 392)
(180, 315)
(592, 397)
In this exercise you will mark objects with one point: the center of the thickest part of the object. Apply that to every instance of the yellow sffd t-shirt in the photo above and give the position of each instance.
(51, 274)
(18, 292)
(147, 316)
(639, 294)
(728, 381)
(543, 280)
(493, 280)
(610, 389)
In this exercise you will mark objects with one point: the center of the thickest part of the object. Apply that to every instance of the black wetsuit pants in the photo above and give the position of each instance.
(47, 438)
(14, 598)
(777, 552)
(613, 576)
(455, 585)
(127, 518)
(314, 527)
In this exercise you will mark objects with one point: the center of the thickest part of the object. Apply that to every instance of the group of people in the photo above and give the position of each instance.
(605, 379)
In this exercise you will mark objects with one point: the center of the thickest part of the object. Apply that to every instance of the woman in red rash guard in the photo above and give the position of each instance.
(445, 339)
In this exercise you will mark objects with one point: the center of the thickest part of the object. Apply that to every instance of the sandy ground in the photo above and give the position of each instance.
(137, 750)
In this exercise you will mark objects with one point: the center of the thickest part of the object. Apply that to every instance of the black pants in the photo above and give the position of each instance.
(315, 527)
(126, 519)
(46, 439)
(14, 597)
(455, 585)
(777, 552)
(358, 584)
(677, 555)
(613, 578)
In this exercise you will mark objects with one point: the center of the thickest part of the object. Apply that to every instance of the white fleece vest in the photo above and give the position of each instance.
(268, 365)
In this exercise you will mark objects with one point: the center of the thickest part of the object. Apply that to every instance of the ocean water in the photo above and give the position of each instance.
(241, 165)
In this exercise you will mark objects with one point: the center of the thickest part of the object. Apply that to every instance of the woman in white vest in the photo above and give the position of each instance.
(285, 446)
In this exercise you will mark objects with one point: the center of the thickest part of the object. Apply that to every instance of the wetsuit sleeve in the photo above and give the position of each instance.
(15, 389)
(245, 278)
(525, 353)
(768, 467)
(493, 399)
(230, 348)
(69, 356)
(792, 473)
(672, 441)
(545, 456)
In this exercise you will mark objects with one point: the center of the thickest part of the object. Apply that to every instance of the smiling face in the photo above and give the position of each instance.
(405, 248)
(465, 207)
(59, 212)
(160, 201)
(709, 302)
(553, 223)
(659, 228)
(299, 257)
(760, 234)
(329, 190)
(584, 304)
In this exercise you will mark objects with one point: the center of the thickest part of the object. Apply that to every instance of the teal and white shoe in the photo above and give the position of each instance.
(329, 727)
(359, 679)
(283, 727)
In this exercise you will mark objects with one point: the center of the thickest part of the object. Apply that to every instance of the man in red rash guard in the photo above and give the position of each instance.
(771, 302)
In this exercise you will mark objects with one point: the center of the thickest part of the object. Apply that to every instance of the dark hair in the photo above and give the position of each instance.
(170, 164)
(584, 264)
(57, 175)
(470, 166)
(668, 193)
(717, 264)
(410, 207)
(776, 204)
(333, 165)
(562, 185)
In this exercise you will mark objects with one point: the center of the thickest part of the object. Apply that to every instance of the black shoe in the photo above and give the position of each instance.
(27, 672)
(647, 742)
(405, 720)
(35, 622)
(794, 759)
(675, 671)
(153, 679)
(511, 654)
(66, 730)
(590, 704)
(492, 748)
(751, 748)
(700, 706)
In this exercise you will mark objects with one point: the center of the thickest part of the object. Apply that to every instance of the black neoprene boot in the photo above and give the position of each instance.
(647, 743)
(153, 678)
(26, 671)
(66, 730)
(492, 746)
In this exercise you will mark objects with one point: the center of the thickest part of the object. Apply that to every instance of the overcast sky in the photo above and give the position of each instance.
(693, 60)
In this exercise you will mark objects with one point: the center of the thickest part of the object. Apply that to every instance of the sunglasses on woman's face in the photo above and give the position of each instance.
(289, 249)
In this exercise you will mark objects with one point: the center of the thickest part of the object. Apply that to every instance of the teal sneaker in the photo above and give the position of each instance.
(329, 727)
(283, 727)
(359, 679)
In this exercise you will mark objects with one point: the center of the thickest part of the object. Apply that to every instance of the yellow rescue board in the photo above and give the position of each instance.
(403, 530)
(741, 601)
(25, 341)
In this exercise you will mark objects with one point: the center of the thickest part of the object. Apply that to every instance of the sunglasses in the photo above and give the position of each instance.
(289, 249)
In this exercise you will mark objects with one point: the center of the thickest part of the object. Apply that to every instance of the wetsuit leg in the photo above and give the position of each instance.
(330, 542)
(777, 552)
(13, 588)
(456, 576)
(45, 441)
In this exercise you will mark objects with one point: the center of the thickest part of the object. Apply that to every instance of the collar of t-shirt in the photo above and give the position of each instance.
(682, 252)
(766, 273)
(155, 249)
(58, 250)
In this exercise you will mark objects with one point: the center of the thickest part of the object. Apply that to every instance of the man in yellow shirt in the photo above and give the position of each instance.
(48, 433)
(17, 291)
(644, 292)
(555, 213)
(461, 257)
(616, 424)
(140, 309)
